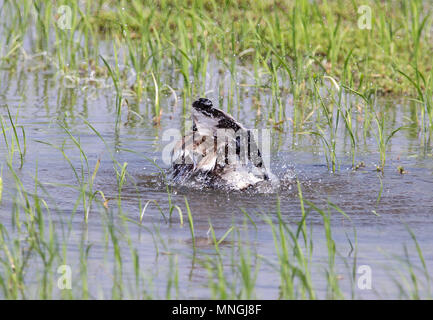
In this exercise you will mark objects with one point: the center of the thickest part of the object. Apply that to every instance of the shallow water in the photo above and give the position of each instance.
(42, 102)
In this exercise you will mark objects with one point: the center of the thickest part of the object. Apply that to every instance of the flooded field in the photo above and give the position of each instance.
(84, 186)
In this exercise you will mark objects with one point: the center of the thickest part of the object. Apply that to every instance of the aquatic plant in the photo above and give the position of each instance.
(305, 67)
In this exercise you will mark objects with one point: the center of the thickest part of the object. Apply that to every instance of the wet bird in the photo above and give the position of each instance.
(219, 152)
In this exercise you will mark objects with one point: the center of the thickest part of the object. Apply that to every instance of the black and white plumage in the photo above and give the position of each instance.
(219, 151)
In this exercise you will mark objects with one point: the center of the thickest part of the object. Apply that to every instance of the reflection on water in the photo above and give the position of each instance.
(378, 205)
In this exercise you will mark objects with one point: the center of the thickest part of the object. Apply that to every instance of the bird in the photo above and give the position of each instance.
(218, 152)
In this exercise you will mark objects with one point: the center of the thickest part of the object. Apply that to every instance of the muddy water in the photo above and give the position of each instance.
(42, 101)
